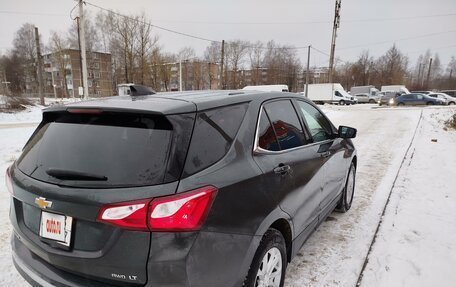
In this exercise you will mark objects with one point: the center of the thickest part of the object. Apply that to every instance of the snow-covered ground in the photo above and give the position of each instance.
(416, 240)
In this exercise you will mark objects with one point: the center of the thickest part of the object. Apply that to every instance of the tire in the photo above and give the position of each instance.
(371, 101)
(451, 103)
(341, 102)
(430, 103)
(400, 104)
(272, 245)
(346, 199)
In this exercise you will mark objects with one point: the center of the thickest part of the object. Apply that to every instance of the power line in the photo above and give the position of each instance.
(397, 40)
(313, 21)
(190, 35)
(152, 25)
(31, 13)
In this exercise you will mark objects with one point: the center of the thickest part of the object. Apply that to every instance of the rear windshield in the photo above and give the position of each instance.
(100, 150)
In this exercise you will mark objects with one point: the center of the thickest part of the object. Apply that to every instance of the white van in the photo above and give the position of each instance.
(332, 93)
(267, 88)
(395, 88)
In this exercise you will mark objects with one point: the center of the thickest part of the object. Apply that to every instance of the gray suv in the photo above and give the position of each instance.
(198, 189)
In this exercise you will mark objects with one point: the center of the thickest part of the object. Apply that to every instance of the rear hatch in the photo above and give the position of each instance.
(80, 161)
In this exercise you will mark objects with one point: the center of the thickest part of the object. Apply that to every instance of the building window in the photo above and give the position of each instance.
(96, 75)
(96, 65)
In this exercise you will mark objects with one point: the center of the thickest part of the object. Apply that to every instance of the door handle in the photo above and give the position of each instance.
(325, 154)
(282, 169)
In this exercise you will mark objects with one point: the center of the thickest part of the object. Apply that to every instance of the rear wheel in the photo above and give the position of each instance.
(451, 103)
(269, 263)
(430, 103)
(400, 104)
(341, 102)
(371, 101)
(349, 190)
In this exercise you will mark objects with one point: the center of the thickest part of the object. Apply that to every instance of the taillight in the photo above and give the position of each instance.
(181, 212)
(9, 181)
(129, 215)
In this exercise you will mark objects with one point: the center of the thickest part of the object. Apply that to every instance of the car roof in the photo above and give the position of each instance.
(175, 102)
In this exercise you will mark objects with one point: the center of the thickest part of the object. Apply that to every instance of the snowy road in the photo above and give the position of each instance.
(334, 255)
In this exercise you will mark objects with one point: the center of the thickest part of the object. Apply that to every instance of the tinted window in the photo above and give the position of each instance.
(319, 126)
(213, 135)
(127, 149)
(408, 97)
(266, 136)
(419, 97)
(286, 124)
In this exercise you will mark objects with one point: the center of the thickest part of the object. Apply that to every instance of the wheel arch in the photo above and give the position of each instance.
(283, 226)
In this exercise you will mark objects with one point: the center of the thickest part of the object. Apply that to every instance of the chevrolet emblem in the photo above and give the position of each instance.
(42, 202)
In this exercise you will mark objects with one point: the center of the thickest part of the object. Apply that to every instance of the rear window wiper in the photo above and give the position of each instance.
(65, 174)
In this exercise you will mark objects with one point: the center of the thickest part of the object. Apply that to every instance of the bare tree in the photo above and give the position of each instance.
(256, 58)
(235, 54)
(25, 53)
(58, 45)
(145, 44)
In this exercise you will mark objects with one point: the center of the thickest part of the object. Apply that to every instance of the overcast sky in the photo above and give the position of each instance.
(414, 25)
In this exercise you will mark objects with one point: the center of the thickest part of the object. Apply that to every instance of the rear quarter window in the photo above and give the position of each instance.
(213, 135)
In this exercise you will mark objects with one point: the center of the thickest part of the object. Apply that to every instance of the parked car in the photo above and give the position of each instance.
(387, 98)
(395, 88)
(415, 100)
(193, 188)
(451, 93)
(267, 88)
(448, 99)
(421, 92)
(367, 98)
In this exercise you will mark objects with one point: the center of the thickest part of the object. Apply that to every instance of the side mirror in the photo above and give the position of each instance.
(347, 132)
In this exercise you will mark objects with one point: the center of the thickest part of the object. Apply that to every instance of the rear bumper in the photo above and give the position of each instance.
(39, 273)
(192, 259)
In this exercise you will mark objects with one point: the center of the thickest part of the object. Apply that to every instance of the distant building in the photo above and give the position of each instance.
(196, 75)
(62, 76)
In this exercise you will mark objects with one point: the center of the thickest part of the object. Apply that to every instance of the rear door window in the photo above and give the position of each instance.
(112, 149)
(267, 138)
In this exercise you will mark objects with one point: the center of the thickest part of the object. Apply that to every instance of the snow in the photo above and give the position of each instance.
(416, 242)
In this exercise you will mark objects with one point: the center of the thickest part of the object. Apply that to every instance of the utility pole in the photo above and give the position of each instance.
(221, 65)
(82, 49)
(419, 74)
(429, 73)
(80, 54)
(336, 25)
(180, 75)
(449, 80)
(40, 66)
(308, 70)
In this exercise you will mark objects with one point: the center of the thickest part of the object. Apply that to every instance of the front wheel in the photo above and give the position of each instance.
(341, 102)
(347, 194)
(430, 103)
(269, 263)
(451, 103)
(400, 104)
